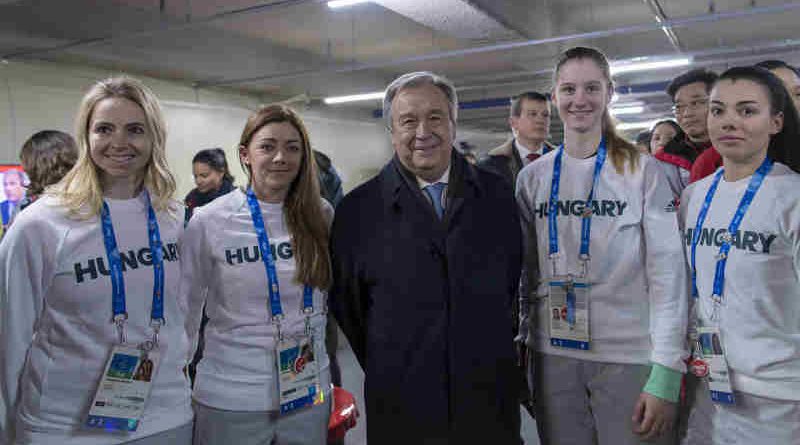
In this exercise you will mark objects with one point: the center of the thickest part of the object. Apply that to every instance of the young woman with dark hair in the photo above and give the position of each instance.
(676, 166)
(743, 246)
(212, 177)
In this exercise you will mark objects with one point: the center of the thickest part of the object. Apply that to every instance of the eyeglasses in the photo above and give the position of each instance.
(693, 105)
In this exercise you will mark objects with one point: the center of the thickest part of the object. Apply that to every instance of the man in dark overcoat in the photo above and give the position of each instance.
(426, 262)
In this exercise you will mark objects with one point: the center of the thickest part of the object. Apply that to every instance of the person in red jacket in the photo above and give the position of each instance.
(689, 93)
(708, 162)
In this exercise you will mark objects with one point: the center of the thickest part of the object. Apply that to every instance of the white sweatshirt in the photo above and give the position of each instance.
(760, 315)
(639, 294)
(677, 177)
(224, 270)
(55, 321)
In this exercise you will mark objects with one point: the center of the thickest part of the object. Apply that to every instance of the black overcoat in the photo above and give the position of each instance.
(426, 305)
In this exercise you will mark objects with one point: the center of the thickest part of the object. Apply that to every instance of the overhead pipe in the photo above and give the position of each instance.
(759, 51)
(632, 29)
(661, 17)
(163, 28)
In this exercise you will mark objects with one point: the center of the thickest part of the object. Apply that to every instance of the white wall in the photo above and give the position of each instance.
(37, 95)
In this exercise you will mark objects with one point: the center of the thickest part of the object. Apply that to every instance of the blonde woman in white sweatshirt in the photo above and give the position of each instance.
(742, 239)
(605, 276)
(258, 259)
(91, 328)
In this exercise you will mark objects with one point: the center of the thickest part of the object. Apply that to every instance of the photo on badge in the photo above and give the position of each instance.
(296, 362)
(122, 366)
(144, 373)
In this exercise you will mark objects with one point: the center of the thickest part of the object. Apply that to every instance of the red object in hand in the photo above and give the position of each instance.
(343, 414)
(699, 367)
(299, 365)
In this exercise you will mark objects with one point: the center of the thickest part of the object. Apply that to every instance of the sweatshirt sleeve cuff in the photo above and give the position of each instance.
(664, 383)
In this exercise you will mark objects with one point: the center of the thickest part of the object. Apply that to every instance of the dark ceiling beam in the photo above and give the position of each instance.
(164, 27)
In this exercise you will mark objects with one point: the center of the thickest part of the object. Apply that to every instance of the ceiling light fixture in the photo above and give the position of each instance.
(353, 98)
(629, 67)
(635, 125)
(627, 109)
(344, 3)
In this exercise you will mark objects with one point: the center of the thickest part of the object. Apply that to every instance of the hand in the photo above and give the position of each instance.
(653, 417)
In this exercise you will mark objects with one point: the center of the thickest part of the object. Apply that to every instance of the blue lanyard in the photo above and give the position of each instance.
(269, 264)
(586, 223)
(115, 266)
(722, 259)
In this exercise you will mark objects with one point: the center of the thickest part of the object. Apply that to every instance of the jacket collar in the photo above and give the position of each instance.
(463, 182)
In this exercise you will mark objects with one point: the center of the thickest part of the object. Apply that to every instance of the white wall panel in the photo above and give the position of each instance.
(46, 96)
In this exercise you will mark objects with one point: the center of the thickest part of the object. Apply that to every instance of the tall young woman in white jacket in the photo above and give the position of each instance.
(742, 238)
(258, 259)
(608, 302)
(100, 246)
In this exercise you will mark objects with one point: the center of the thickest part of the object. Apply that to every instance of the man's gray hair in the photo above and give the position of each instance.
(418, 79)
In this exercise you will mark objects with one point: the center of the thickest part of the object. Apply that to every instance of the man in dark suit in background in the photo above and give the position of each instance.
(530, 125)
(14, 189)
(426, 263)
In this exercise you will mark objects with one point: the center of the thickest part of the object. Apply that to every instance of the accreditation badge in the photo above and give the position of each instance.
(710, 358)
(124, 389)
(569, 313)
(298, 374)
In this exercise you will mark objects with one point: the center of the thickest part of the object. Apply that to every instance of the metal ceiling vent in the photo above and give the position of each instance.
(457, 18)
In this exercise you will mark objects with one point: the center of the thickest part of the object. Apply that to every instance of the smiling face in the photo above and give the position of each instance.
(582, 93)
(273, 156)
(205, 177)
(740, 121)
(422, 130)
(119, 140)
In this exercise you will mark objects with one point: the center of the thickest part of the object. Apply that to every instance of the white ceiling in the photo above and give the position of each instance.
(490, 48)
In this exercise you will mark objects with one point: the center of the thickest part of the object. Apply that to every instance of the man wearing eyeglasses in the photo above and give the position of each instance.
(689, 93)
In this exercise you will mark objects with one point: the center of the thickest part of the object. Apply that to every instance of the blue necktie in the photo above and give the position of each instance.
(434, 191)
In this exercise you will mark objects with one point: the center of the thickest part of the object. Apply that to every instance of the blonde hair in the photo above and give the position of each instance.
(80, 190)
(308, 226)
(620, 151)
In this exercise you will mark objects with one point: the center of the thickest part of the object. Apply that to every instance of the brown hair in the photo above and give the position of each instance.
(303, 205)
(620, 150)
(46, 157)
(516, 101)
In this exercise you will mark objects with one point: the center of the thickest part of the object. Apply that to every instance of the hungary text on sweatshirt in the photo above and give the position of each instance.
(760, 313)
(638, 302)
(224, 270)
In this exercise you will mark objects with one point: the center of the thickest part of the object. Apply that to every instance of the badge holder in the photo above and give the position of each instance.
(569, 310)
(124, 388)
(298, 371)
(710, 362)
